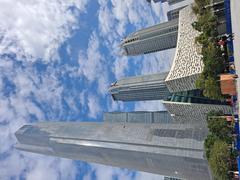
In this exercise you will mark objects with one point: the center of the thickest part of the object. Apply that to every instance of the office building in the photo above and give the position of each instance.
(138, 117)
(174, 14)
(165, 35)
(187, 64)
(171, 2)
(156, 1)
(194, 112)
(174, 150)
(140, 88)
(156, 38)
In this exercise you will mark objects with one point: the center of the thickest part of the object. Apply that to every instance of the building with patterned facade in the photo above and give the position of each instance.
(140, 88)
(194, 112)
(174, 150)
(187, 64)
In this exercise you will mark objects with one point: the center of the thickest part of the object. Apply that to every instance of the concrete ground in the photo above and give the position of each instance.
(235, 13)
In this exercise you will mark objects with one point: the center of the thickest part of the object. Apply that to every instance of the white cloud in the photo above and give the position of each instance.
(36, 167)
(107, 172)
(92, 64)
(65, 169)
(31, 30)
(93, 106)
(15, 111)
(157, 62)
(35, 29)
(123, 12)
(120, 66)
(113, 19)
(149, 106)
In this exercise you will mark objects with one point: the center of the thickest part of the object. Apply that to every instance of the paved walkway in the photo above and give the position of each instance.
(235, 13)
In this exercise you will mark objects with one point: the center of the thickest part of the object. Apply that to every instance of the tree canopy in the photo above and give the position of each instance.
(218, 160)
(211, 54)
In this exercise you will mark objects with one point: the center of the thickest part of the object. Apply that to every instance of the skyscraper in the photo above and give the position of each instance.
(140, 88)
(156, 38)
(165, 35)
(174, 150)
(174, 14)
(156, 1)
(171, 2)
(138, 117)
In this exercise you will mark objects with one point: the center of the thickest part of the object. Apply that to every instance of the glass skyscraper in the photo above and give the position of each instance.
(164, 35)
(174, 150)
(156, 38)
(138, 117)
(140, 88)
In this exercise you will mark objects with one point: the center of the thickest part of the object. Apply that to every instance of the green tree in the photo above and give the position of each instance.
(212, 88)
(218, 160)
(199, 6)
(208, 144)
(219, 128)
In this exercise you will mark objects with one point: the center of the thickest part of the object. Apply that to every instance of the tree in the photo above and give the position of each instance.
(208, 144)
(212, 89)
(219, 128)
(218, 160)
(212, 57)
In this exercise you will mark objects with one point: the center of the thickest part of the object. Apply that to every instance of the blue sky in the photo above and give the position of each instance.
(57, 60)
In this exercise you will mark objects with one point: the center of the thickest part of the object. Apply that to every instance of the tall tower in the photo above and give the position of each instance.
(156, 38)
(162, 1)
(140, 88)
(174, 150)
(138, 117)
(169, 1)
(165, 35)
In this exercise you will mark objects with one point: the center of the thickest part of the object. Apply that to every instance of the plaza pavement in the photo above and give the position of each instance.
(235, 14)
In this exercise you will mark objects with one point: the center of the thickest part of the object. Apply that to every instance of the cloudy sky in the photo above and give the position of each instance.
(57, 59)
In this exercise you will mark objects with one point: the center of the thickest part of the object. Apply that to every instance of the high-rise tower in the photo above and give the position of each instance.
(138, 117)
(169, 1)
(165, 35)
(174, 150)
(156, 38)
(140, 88)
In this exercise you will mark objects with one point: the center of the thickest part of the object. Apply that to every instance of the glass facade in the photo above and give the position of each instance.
(140, 88)
(152, 39)
(174, 14)
(193, 96)
(172, 2)
(156, 148)
(138, 117)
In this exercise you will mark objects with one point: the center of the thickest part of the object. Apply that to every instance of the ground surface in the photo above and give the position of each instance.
(235, 11)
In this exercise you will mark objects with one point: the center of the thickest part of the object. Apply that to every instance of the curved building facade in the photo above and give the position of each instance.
(187, 64)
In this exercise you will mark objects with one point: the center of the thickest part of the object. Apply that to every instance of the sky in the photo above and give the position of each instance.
(57, 60)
